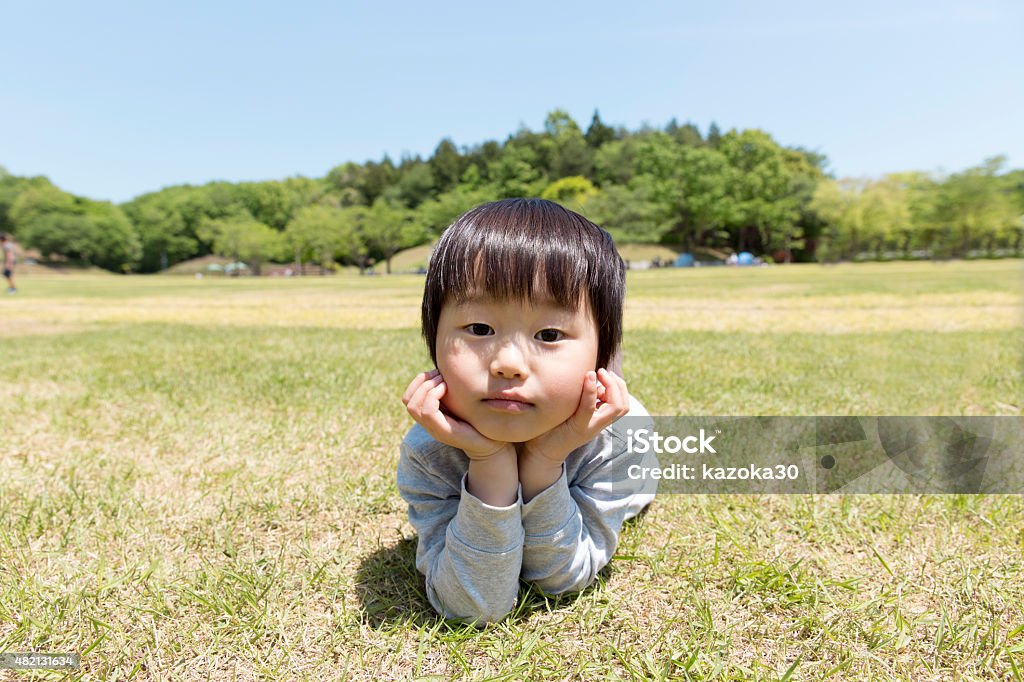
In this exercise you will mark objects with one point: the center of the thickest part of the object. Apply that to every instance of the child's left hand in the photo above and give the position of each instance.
(604, 399)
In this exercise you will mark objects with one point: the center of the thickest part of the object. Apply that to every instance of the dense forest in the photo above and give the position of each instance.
(709, 193)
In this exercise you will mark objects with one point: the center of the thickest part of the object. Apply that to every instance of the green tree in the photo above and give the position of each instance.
(389, 229)
(570, 154)
(886, 215)
(572, 192)
(169, 221)
(315, 234)
(60, 224)
(437, 214)
(482, 156)
(357, 184)
(630, 214)
(925, 230)
(10, 187)
(714, 135)
(515, 174)
(764, 187)
(163, 230)
(533, 147)
(271, 203)
(598, 134)
(838, 207)
(1013, 186)
(472, 178)
(345, 182)
(245, 239)
(353, 236)
(446, 166)
(415, 184)
(615, 162)
(694, 187)
(689, 135)
(975, 207)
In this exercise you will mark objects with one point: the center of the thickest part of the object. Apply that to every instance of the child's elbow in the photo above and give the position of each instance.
(484, 617)
(555, 585)
(478, 618)
(474, 612)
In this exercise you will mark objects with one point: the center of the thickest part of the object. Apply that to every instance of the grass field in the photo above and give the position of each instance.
(197, 482)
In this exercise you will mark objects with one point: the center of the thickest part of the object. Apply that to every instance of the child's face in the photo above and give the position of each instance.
(514, 370)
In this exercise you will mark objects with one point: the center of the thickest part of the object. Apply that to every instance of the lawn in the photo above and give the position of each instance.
(197, 482)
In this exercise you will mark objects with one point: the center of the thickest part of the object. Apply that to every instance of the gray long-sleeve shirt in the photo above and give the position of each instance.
(473, 554)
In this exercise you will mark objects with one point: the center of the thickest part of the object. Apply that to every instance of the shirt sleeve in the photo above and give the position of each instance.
(571, 529)
(470, 552)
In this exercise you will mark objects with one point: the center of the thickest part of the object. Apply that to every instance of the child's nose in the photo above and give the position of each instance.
(508, 362)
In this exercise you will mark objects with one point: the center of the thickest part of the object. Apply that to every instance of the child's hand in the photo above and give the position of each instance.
(604, 399)
(423, 401)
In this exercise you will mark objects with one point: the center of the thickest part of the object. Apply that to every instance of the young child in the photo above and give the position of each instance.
(507, 472)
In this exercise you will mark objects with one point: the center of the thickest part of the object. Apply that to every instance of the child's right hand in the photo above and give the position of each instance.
(423, 401)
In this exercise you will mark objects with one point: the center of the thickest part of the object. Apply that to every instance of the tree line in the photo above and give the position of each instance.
(707, 193)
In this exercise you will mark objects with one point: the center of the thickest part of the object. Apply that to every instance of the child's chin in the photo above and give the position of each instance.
(507, 435)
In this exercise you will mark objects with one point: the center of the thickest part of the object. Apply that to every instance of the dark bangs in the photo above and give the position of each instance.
(508, 249)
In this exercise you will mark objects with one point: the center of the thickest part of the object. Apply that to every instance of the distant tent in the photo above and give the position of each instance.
(684, 260)
(745, 258)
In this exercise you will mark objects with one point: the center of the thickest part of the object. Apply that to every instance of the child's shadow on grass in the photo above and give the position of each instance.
(392, 592)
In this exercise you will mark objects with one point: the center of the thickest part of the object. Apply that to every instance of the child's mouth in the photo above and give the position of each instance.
(506, 405)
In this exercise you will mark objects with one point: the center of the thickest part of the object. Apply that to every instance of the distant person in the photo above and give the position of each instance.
(8, 245)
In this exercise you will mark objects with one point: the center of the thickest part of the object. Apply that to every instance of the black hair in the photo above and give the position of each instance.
(506, 249)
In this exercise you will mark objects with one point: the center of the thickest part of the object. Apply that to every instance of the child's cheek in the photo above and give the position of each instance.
(453, 400)
(448, 404)
(456, 407)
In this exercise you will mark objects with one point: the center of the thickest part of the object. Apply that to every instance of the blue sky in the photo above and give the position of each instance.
(113, 99)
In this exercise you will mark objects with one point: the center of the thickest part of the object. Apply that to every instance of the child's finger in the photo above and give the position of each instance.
(432, 399)
(616, 399)
(425, 409)
(588, 399)
(617, 395)
(593, 387)
(438, 425)
(445, 427)
(416, 383)
(416, 405)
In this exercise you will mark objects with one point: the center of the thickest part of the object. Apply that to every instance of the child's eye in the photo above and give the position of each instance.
(479, 329)
(549, 335)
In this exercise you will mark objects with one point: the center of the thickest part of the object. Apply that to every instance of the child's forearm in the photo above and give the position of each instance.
(537, 473)
(494, 480)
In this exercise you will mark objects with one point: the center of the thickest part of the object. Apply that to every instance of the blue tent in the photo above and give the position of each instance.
(684, 260)
(745, 258)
